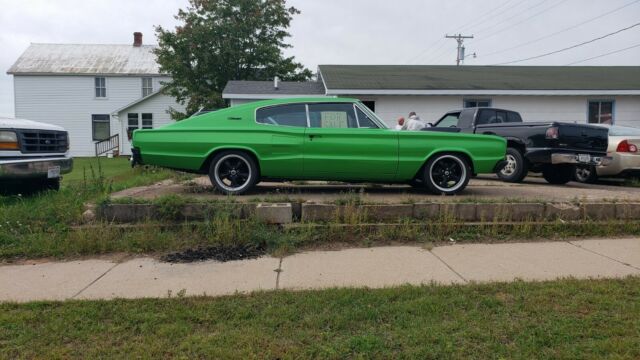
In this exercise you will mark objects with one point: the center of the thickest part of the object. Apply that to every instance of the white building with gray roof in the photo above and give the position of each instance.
(95, 91)
(581, 94)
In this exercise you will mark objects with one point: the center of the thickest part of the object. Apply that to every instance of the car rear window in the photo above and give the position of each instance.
(283, 115)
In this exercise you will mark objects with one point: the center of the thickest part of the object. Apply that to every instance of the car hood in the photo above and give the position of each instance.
(9, 123)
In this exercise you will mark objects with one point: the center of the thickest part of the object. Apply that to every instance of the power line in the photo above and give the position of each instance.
(520, 22)
(496, 24)
(477, 21)
(571, 47)
(603, 55)
(561, 31)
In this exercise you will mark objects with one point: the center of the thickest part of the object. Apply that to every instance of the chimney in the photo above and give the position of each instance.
(276, 82)
(137, 39)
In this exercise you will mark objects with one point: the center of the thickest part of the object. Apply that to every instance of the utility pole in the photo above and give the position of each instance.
(460, 39)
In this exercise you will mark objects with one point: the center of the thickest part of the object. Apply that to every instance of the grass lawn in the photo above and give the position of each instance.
(561, 319)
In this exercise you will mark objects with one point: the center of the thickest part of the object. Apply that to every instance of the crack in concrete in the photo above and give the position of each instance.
(96, 280)
(603, 255)
(449, 267)
(278, 272)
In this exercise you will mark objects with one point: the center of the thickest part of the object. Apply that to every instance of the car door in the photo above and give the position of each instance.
(343, 143)
(284, 126)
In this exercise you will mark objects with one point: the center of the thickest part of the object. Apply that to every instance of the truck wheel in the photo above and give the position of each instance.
(558, 174)
(233, 172)
(447, 174)
(516, 169)
(586, 174)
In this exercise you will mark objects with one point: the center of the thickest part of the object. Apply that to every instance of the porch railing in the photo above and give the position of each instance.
(106, 145)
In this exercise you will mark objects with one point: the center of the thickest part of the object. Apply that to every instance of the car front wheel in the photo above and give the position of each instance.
(447, 174)
(233, 172)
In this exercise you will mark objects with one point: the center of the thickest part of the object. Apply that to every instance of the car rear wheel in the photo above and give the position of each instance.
(516, 168)
(233, 172)
(586, 174)
(558, 174)
(447, 174)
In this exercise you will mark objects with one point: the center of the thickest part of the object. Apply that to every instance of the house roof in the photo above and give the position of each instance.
(416, 78)
(136, 102)
(259, 89)
(76, 59)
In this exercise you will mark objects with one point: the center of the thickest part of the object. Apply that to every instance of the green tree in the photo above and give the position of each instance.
(222, 40)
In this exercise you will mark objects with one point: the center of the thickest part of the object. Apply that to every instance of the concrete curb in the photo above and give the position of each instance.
(284, 213)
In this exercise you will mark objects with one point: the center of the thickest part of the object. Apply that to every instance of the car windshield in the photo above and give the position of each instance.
(623, 131)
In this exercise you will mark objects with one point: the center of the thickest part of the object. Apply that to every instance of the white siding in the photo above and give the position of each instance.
(158, 105)
(69, 101)
(532, 108)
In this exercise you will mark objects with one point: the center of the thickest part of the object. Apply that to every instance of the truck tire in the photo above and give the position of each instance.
(516, 169)
(586, 174)
(558, 174)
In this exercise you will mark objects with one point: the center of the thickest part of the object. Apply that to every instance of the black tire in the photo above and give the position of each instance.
(558, 174)
(516, 169)
(447, 174)
(233, 172)
(585, 174)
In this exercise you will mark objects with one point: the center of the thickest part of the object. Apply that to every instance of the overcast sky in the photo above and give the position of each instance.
(353, 31)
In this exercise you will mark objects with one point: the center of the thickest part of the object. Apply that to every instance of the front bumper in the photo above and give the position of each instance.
(33, 168)
(582, 159)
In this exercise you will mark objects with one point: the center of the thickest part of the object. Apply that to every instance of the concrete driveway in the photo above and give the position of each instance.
(533, 189)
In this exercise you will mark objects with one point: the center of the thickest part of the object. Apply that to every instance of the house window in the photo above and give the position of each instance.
(132, 122)
(101, 87)
(100, 126)
(370, 104)
(147, 121)
(147, 86)
(600, 112)
(471, 103)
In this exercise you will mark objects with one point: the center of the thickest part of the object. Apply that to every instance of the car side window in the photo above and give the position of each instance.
(283, 115)
(450, 120)
(364, 121)
(332, 116)
(488, 117)
(513, 117)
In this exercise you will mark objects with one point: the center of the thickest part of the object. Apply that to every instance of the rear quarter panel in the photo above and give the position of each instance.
(416, 147)
(187, 144)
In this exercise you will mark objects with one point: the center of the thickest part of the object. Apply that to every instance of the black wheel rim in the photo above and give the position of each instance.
(448, 173)
(232, 172)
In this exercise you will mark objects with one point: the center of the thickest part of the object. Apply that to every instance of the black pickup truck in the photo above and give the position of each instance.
(553, 148)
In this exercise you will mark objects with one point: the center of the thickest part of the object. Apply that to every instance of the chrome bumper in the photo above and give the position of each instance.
(33, 168)
(576, 159)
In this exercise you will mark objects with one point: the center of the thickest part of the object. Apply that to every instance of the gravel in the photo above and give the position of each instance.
(218, 253)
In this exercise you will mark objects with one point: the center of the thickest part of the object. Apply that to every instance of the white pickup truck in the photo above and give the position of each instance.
(33, 155)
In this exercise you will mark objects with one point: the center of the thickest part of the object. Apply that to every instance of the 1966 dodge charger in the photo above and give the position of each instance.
(315, 139)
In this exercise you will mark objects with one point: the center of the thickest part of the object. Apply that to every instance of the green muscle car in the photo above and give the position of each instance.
(315, 139)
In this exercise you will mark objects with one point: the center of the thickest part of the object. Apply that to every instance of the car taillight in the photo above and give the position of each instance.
(552, 132)
(625, 147)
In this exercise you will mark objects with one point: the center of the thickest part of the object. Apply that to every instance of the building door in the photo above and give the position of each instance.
(337, 145)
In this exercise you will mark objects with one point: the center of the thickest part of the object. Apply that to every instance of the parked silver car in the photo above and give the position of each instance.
(623, 148)
(33, 155)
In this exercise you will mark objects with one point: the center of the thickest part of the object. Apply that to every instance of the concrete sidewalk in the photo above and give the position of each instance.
(370, 267)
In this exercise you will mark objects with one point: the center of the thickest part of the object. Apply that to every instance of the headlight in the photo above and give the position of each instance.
(8, 140)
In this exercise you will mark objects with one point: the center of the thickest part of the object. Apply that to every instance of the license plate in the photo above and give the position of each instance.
(53, 172)
(584, 158)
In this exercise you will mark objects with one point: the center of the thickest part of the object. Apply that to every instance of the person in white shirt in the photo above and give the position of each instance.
(414, 123)
(400, 123)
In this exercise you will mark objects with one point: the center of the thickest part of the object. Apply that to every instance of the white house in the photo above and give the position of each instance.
(94, 91)
(582, 94)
